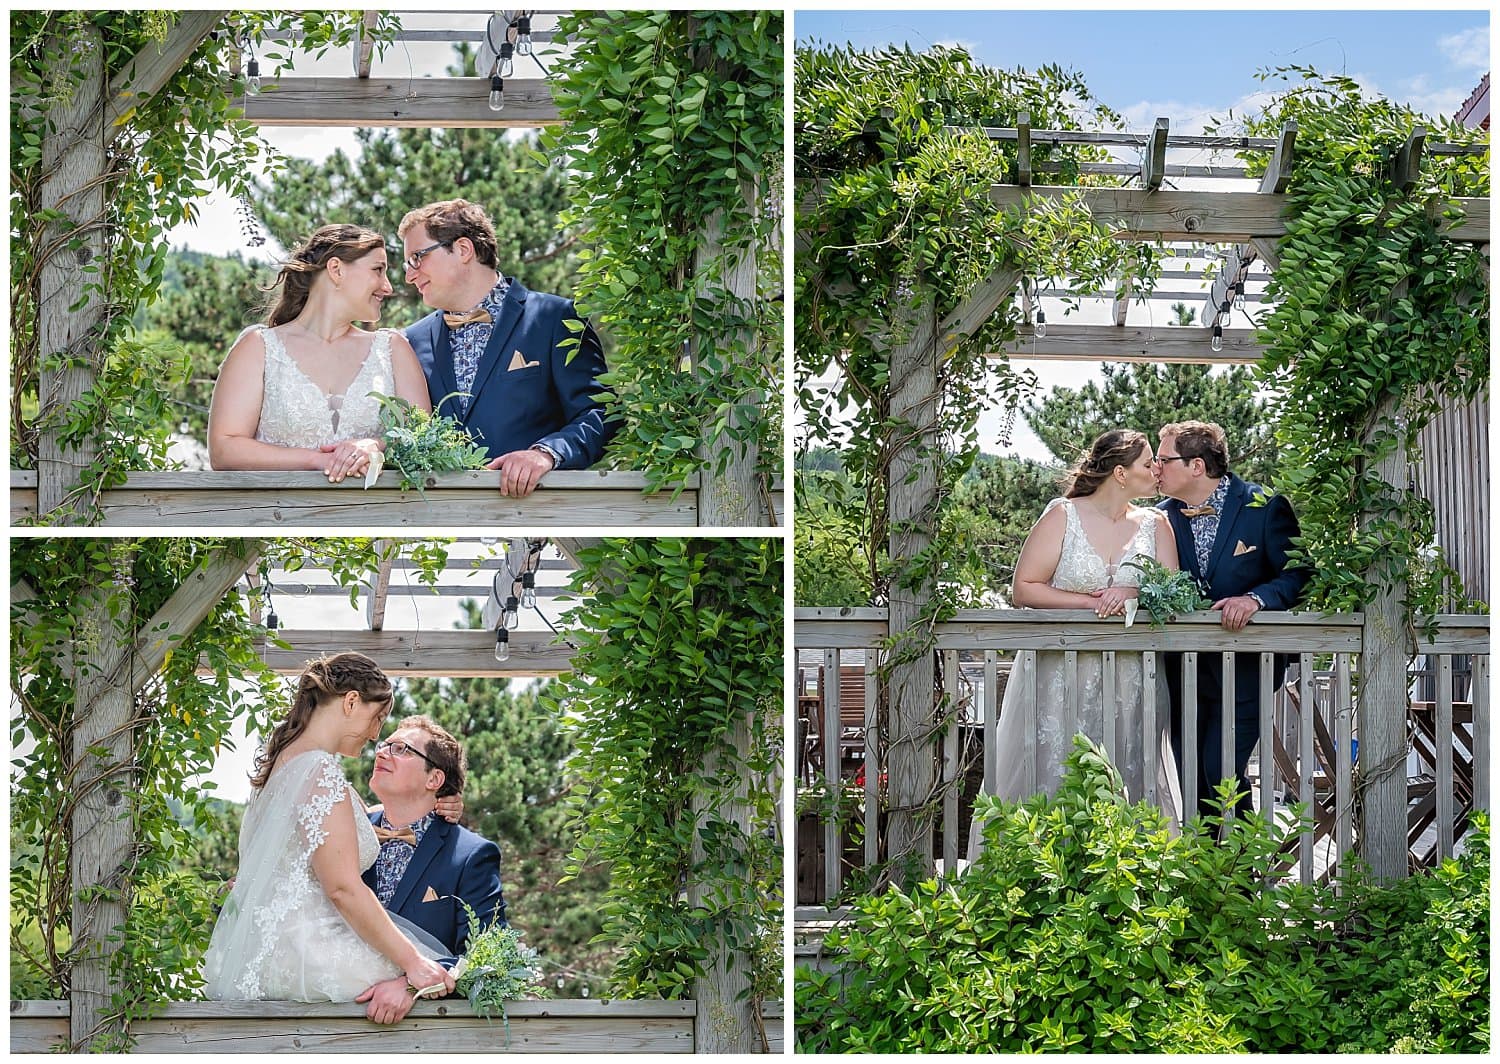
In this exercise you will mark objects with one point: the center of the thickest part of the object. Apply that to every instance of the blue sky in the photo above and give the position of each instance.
(1190, 65)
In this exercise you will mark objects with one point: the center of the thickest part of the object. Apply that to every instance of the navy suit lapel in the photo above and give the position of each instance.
(1234, 501)
(500, 334)
(442, 365)
(416, 869)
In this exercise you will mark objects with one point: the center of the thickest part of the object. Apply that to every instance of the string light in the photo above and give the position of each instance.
(512, 617)
(1041, 323)
(507, 66)
(1217, 343)
(497, 93)
(1239, 294)
(1224, 309)
(523, 35)
(528, 590)
(502, 644)
(252, 77)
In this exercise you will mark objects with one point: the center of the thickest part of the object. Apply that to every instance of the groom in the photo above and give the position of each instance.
(426, 864)
(1234, 538)
(517, 368)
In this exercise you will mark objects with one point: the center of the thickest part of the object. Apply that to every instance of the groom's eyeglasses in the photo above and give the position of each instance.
(1163, 459)
(402, 750)
(414, 260)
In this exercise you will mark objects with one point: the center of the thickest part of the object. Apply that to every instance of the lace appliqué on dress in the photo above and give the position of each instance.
(295, 412)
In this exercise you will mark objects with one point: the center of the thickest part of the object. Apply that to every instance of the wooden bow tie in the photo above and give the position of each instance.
(1198, 511)
(454, 321)
(406, 835)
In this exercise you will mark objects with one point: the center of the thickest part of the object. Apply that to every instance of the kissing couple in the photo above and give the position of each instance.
(1233, 537)
(337, 902)
(301, 391)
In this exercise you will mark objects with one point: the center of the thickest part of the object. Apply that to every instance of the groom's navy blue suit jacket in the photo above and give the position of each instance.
(529, 387)
(450, 863)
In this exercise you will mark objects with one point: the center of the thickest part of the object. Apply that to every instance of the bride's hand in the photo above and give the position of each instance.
(425, 973)
(1110, 602)
(348, 458)
(450, 808)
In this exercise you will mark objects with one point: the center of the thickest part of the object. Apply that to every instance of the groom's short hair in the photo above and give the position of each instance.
(450, 219)
(443, 752)
(1201, 439)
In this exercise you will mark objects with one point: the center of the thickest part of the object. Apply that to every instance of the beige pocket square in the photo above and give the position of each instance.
(1241, 548)
(431, 895)
(518, 361)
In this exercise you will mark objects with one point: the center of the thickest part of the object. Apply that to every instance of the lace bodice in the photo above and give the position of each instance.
(1079, 567)
(295, 412)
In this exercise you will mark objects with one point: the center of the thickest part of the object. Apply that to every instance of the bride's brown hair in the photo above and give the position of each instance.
(1117, 447)
(339, 241)
(324, 679)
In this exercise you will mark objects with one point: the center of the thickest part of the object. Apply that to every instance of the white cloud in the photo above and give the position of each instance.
(1468, 49)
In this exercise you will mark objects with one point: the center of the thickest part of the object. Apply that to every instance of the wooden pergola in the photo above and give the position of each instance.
(720, 1018)
(1243, 228)
(74, 155)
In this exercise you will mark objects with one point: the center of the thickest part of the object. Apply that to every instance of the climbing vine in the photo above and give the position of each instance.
(676, 689)
(674, 132)
(1379, 318)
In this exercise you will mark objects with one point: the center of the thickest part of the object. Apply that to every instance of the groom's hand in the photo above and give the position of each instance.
(521, 471)
(1237, 611)
(389, 1001)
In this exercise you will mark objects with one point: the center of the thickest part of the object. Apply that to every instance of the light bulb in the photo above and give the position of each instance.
(511, 617)
(507, 66)
(497, 93)
(272, 621)
(1041, 324)
(528, 590)
(1217, 343)
(252, 78)
(1224, 310)
(523, 35)
(183, 427)
(502, 645)
(1239, 294)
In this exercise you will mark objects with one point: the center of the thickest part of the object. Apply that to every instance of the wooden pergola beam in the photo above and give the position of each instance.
(376, 592)
(1408, 161)
(1273, 183)
(975, 310)
(440, 652)
(1207, 217)
(1023, 149)
(151, 67)
(1154, 160)
(364, 45)
(1111, 343)
(401, 102)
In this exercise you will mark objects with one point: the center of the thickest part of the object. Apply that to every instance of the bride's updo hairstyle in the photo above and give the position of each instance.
(324, 680)
(343, 242)
(1117, 447)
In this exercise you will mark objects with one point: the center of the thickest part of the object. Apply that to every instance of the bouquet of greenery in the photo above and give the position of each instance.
(496, 967)
(1165, 592)
(418, 444)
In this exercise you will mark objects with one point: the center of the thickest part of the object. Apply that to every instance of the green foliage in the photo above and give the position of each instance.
(496, 967)
(674, 131)
(1166, 592)
(1089, 925)
(163, 155)
(993, 509)
(1379, 317)
(676, 691)
(419, 444)
(833, 566)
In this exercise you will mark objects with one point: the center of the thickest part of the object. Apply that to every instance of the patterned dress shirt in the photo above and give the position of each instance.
(1205, 528)
(469, 341)
(395, 855)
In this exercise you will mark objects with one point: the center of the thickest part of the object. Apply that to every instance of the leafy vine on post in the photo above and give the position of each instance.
(676, 689)
(674, 140)
(120, 120)
(905, 277)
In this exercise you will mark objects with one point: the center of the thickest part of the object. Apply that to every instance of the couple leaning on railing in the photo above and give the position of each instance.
(1089, 550)
(512, 374)
(336, 902)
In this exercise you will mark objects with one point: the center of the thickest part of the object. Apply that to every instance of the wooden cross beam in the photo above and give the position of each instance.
(403, 102)
(1408, 160)
(151, 67)
(1155, 159)
(1110, 343)
(376, 591)
(439, 652)
(1273, 182)
(1023, 149)
(364, 44)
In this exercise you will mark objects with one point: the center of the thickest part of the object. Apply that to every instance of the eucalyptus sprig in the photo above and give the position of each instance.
(418, 444)
(496, 967)
(1164, 593)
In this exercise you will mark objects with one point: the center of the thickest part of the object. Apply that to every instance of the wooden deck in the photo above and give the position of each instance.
(192, 498)
(564, 1026)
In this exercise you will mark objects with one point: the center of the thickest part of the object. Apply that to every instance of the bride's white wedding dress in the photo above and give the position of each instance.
(295, 412)
(279, 937)
(1041, 676)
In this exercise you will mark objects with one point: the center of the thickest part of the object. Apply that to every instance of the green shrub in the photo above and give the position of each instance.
(1089, 925)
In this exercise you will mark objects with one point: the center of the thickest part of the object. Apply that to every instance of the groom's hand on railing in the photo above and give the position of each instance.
(1238, 610)
(389, 1001)
(522, 471)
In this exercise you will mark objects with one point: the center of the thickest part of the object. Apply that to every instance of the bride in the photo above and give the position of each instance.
(1075, 558)
(296, 393)
(300, 924)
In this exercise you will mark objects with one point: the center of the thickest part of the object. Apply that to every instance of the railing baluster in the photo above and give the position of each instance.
(1070, 682)
(1267, 740)
(1343, 738)
(1028, 724)
(1481, 699)
(1151, 726)
(1443, 746)
(874, 760)
(1307, 765)
(1228, 689)
(1189, 734)
(991, 720)
(833, 736)
(950, 764)
(1110, 711)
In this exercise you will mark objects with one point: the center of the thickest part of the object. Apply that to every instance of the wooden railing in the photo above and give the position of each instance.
(572, 1026)
(592, 498)
(1313, 764)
